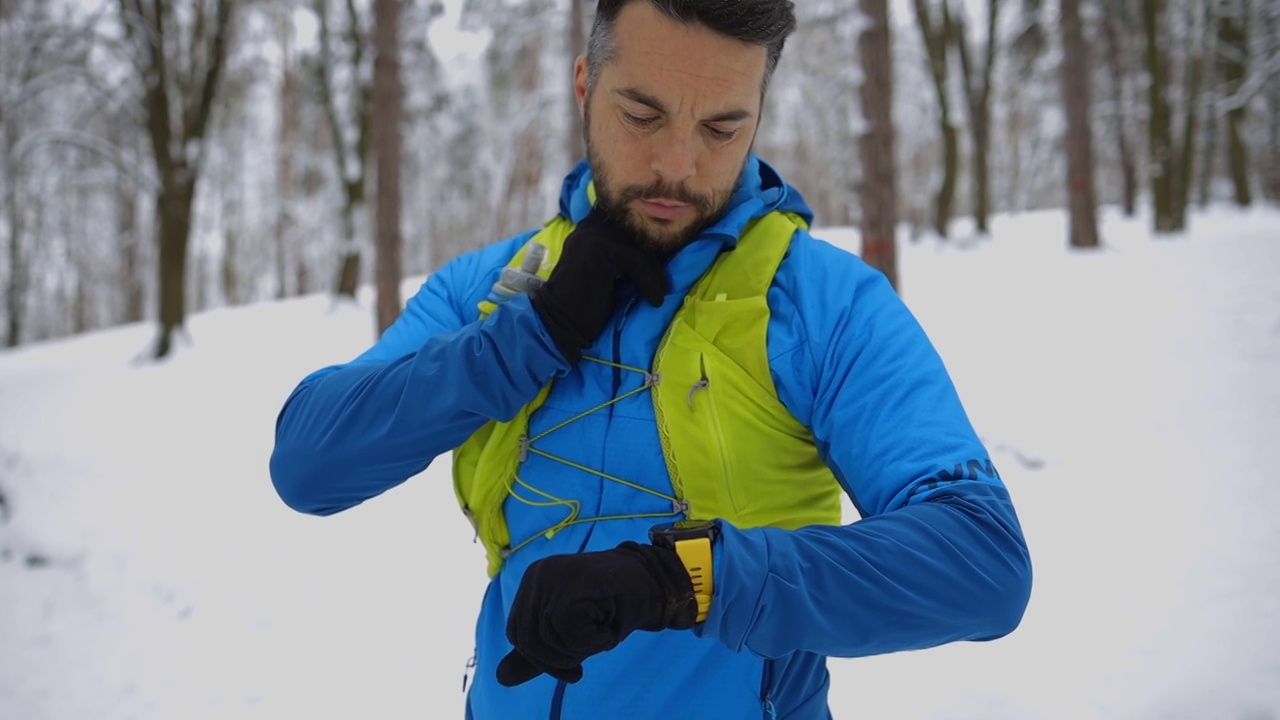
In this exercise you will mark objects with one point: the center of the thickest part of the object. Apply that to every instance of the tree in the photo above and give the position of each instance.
(1197, 30)
(1170, 165)
(388, 109)
(878, 189)
(1233, 58)
(1116, 28)
(26, 61)
(285, 156)
(178, 54)
(1079, 142)
(1271, 170)
(577, 46)
(977, 93)
(351, 134)
(937, 38)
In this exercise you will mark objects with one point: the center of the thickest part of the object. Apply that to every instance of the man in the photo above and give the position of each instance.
(693, 354)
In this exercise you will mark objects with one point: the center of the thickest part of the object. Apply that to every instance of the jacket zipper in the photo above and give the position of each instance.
(617, 349)
(766, 702)
(557, 700)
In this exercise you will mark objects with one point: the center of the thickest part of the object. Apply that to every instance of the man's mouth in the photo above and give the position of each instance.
(664, 209)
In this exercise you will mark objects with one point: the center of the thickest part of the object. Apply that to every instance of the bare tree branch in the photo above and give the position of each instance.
(91, 143)
(1254, 85)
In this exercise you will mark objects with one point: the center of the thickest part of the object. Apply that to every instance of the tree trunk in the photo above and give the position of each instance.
(230, 258)
(131, 286)
(878, 191)
(1233, 51)
(936, 41)
(78, 207)
(1079, 144)
(16, 293)
(522, 205)
(388, 101)
(351, 162)
(1162, 162)
(285, 250)
(1271, 172)
(1116, 53)
(173, 220)
(1185, 168)
(353, 210)
(1209, 138)
(977, 92)
(180, 92)
(577, 46)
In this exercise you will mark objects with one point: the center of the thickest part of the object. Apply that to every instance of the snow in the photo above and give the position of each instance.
(1130, 396)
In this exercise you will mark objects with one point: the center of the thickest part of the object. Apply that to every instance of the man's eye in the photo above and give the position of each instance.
(639, 121)
(719, 134)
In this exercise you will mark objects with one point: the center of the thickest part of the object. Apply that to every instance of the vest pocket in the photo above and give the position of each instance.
(733, 449)
(708, 399)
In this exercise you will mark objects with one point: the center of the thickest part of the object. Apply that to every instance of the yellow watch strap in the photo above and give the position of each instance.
(695, 553)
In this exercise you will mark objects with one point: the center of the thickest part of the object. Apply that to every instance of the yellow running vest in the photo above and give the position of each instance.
(732, 449)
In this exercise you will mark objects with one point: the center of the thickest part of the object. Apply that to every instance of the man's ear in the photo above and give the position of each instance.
(580, 82)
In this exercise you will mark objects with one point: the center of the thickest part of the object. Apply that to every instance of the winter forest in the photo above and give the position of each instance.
(203, 201)
(163, 158)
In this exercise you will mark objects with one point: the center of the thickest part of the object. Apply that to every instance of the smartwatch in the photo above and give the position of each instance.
(691, 540)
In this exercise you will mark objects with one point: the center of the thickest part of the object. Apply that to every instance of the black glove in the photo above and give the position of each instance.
(577, 301)
(570, 607)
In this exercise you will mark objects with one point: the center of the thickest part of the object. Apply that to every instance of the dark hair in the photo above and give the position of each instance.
(765, 23)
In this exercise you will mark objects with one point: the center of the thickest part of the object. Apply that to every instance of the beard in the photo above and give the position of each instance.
(662, 236)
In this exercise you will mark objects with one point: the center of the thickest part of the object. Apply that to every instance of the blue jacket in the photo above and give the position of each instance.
(938, 555)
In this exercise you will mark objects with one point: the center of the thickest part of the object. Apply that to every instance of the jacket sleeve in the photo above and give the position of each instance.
(350, 432)
(938, 554)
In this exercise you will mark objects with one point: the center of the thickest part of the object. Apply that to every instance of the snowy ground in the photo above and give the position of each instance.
(1131, 398)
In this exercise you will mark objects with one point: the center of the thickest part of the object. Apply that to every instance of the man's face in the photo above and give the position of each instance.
(669, 123)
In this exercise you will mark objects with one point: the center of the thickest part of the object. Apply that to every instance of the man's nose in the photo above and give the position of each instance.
(675, 159)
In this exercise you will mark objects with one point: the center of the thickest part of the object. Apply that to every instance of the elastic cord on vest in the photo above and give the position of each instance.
(677, 508)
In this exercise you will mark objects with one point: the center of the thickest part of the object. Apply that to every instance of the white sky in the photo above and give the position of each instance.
(1145, 378)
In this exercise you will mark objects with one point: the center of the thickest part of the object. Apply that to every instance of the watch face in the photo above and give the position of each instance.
(677, 530)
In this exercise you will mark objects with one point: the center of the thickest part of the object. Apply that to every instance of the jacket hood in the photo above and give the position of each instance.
(760, 190)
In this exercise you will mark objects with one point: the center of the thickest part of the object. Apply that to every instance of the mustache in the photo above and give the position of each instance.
(679, 193)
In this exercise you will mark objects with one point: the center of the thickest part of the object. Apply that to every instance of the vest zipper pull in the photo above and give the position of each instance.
(471, 518)
(700, 385)
(466, 673)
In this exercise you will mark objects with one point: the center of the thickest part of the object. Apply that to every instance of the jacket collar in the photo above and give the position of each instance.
(760, 190)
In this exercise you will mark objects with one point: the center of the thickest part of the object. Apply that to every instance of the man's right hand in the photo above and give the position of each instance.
(578, 300)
